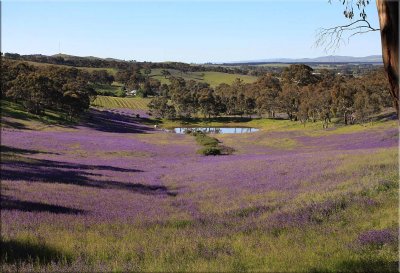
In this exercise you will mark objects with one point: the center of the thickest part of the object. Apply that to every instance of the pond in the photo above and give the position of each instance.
(217, 130)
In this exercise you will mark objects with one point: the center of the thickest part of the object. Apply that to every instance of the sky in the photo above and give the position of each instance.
(187, 31)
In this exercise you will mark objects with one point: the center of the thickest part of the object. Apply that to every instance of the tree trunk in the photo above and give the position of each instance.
(388, 12)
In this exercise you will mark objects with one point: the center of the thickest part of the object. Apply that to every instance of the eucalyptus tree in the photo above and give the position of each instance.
(388, 13)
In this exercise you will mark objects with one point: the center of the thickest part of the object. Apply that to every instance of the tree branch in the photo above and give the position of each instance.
(331, 38)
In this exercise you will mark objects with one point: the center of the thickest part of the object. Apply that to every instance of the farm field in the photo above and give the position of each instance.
(210, 77)
(112, 194)
(115, 103)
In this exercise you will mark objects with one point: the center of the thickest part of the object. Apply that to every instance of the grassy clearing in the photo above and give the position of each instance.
(106, 89)
(115, 103)
(210, 77)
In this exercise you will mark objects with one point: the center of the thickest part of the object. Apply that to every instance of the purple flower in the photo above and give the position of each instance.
(378, 237)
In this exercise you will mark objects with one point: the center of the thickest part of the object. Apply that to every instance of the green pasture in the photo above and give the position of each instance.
(107, 89)
(210, 77)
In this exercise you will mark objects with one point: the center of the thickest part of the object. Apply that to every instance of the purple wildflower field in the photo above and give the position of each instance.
(115, 194)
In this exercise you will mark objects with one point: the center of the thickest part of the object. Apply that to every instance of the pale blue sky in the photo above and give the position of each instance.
(189, 31)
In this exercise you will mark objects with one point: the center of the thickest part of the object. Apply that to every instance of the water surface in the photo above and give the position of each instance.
(217, 130)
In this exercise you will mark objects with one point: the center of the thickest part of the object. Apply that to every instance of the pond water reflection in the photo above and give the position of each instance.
(216, 130)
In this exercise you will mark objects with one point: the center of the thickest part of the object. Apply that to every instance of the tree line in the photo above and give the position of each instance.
(67, 90)
(298, 92)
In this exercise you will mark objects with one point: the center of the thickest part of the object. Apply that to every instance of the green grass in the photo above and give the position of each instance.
(14, 115)
(205, 140)
(107, 89)
(114, 102)
(210, 77)
(310, 128)
(111, 71)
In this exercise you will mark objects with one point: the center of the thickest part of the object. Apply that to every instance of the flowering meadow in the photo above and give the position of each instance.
(114, 194)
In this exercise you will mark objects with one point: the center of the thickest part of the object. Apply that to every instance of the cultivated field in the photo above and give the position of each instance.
(115, 102)
(112, 194)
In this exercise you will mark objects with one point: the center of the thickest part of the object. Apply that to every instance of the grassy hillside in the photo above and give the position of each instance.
(114, 195)
(212, 78)
(114, 102)
(111, 71)
(13, 115)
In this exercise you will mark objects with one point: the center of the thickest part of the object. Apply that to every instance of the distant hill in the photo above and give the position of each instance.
(66, 57)
(323, 59)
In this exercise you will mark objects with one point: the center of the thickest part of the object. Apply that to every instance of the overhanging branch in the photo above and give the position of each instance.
(331, 38)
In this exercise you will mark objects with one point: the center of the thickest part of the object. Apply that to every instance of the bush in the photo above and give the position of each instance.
(106, 93)
(205, 140)
(210, 151)
(120, 93)
(211, 144)
(225, 150)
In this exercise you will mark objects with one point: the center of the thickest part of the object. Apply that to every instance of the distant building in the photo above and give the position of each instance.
(132, 92)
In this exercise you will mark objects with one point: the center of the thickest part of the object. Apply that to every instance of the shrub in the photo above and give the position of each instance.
(211, 144)
(205, 140)
(120, 93)
(225, 150)
(209, 151)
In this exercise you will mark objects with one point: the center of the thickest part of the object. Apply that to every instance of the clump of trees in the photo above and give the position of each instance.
(134, 79)
(298, 92)
(39, 88)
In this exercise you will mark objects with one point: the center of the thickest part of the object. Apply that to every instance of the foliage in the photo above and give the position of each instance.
(211, 144)
(297, 92)
(160, 108)
(205, 140)
(210, 151)
(38, 89)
